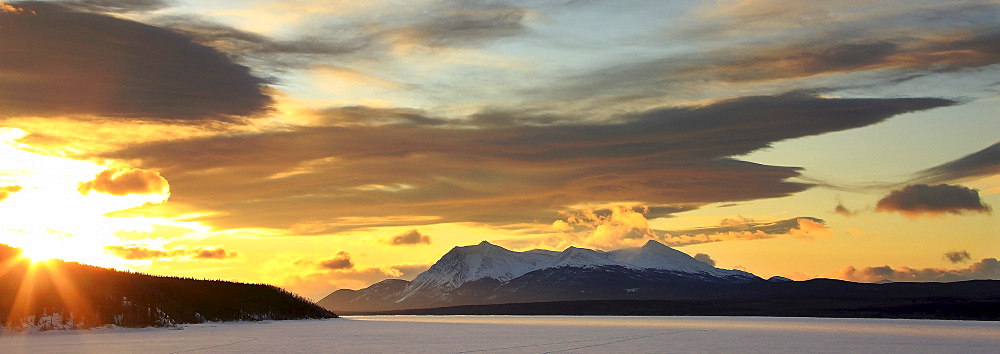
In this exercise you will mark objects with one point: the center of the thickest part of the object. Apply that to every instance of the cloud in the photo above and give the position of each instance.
(806, 228)
(411, 237)
(957, 256)
(842, 210)
(6, 191)
(761, 49)
(116, 181)
(60, 61)
(117, 6)
(704, 258)
(342, 260)
(921, 199)
(133, 253)
(983, 163)
(987, 268)
(10, 9)
(666, 157)
(266, 53)
(469, 24)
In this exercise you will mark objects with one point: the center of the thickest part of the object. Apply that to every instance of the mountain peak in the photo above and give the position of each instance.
(653, 243)
(485, 243)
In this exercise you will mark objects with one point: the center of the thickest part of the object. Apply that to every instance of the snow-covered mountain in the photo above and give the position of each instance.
(487, 273)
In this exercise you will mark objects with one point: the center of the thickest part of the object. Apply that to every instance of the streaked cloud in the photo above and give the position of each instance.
(921, 199)
(500, 175)
(117, 6)
(987, 268)
(742, 229)
(983, 163)
(133, 252)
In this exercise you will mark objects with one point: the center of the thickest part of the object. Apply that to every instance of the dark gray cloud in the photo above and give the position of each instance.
(704, 258)
(983, 163)
(342, 260)
(412, 237)
(59, 61)
(922, 199)
(987, 268)
(672, 159)
(957, 256)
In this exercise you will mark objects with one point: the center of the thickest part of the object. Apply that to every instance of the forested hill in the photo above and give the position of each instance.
(60, 295)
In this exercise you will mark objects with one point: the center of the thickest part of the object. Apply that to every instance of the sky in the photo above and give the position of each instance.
(327, 144)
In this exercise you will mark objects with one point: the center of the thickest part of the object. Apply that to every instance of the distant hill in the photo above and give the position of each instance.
(650, 280)
(60, 295)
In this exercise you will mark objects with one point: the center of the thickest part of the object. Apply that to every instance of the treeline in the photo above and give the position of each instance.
(57, 295)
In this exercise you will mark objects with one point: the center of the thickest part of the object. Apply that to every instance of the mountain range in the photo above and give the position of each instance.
(487, 273)
(654, 279)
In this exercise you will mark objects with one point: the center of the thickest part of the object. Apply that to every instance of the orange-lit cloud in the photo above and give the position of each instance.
(4, 8)
(143, 253)
(921, 199)
(122, 182)
(987, 268)
(7, 190)
(412, 237)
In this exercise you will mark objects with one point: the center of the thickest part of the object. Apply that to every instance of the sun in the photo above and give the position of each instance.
(43, 247)
(39, 254)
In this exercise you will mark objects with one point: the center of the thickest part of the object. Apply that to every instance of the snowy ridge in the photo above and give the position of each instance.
(485, 260)
(470, 263)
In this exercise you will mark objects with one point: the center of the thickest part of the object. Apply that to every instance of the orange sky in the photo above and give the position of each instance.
(318, 145)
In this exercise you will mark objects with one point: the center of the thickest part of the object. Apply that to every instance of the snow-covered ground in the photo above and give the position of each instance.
(527, 334)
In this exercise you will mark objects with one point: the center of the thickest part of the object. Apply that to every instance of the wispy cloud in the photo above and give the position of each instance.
(983, 163)
(197, 253)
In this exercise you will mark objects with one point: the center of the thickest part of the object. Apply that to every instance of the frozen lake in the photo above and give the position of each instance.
(528, 334)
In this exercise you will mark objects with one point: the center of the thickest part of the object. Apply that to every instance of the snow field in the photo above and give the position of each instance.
(528, 334)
